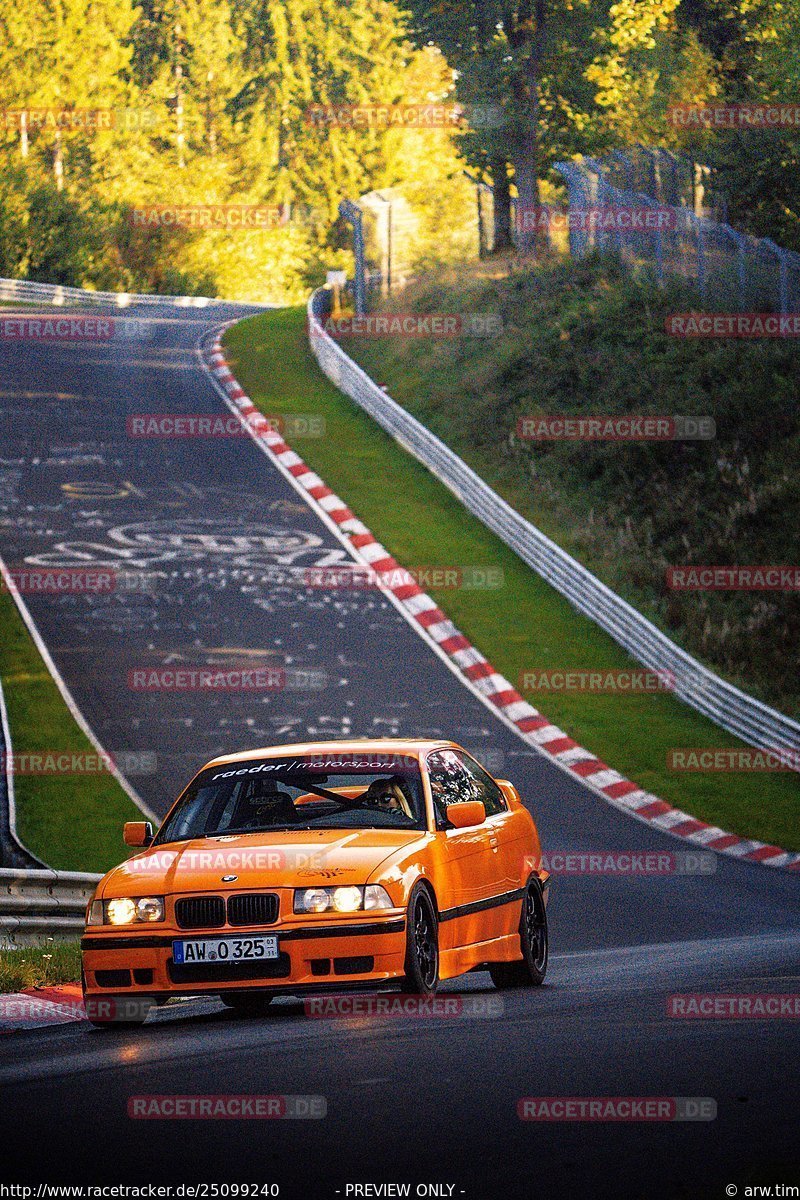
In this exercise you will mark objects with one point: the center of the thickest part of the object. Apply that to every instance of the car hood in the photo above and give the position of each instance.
(302, 858)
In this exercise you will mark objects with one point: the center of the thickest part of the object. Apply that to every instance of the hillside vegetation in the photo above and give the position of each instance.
(583, 339)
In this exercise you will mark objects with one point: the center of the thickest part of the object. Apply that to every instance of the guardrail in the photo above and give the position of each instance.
(733, 710)
(50, 293)
(35, 905)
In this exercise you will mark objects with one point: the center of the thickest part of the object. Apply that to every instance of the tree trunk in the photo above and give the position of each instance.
(528, 42)
(58, 161)
(526, 177)
(502, 205)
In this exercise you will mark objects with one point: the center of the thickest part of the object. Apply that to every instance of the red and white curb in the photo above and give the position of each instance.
(534, 728)
(40, 1007)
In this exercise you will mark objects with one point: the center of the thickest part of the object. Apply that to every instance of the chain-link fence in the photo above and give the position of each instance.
(658, 212)
(666, 177)
(397, 236)
(657, 234)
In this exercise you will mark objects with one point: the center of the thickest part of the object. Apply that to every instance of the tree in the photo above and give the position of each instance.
(553, 67)
(757, 47)
(63, 55)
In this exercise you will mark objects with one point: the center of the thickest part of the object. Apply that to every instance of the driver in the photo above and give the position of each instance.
(389, 796)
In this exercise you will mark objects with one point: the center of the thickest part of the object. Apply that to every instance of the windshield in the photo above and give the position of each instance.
(347, 792)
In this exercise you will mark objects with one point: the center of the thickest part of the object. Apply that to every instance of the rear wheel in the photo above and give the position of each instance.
(422, 945)
(249, 1004)
(531, 970)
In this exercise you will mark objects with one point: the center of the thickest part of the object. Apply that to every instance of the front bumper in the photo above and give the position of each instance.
(333, 953)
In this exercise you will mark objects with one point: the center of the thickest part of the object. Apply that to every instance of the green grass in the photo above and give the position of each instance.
(72, 822)
(524, 625)
(40, 966)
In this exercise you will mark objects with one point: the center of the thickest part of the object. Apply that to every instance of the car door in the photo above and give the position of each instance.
(506, 832)
(468, 871)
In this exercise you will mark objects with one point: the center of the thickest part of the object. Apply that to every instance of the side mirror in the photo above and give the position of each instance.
(137, 833)
(469, 812)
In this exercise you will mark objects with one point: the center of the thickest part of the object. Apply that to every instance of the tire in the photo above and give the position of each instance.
(422, 945)
(249, 1004)
(532, 968)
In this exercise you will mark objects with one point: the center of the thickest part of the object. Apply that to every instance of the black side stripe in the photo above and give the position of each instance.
(464, 910)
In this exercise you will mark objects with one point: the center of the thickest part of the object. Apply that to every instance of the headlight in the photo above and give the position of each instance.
(150, 908)
(124, 911)
(314, 900)
(120, 912)
(94, 913)
(341, 899)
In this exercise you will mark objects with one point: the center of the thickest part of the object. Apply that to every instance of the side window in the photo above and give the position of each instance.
(450, 783)
(454, 778)
(484, 787)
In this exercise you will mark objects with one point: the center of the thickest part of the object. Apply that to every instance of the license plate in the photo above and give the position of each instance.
(224, 950)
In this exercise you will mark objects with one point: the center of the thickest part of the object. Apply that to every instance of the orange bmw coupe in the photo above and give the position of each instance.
(326, 865)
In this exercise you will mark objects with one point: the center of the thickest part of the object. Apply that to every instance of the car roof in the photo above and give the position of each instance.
(407, 746)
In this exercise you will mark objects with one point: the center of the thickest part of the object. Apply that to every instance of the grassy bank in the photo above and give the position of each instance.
(40, 966)
(72, 822)
(523, 625)
(585, 340)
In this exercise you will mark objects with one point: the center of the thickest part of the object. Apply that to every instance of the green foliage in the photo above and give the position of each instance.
(40, 966)
(211, 101)
(757, 47)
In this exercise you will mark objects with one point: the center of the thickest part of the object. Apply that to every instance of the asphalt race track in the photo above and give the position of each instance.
(213, 544)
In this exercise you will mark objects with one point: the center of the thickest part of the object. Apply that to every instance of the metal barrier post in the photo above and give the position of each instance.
(353, 214)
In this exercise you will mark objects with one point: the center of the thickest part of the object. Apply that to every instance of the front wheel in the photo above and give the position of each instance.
(422, 945)
(531, 970)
